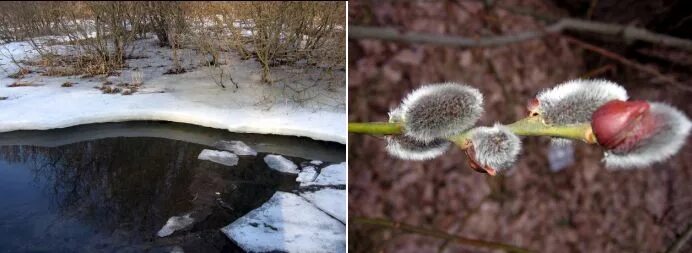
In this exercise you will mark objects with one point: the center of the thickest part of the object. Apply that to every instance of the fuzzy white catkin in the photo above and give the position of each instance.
(407, 148)
(671, 134)
(574, 101)
(496, 147)
(440, 110)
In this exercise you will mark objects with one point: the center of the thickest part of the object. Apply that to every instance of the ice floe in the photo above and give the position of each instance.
(334, 174)
(175, 223)
(281, 164)
(307, 174)
(331, 201)
(222, 157)
(237, 147)
(287, 223)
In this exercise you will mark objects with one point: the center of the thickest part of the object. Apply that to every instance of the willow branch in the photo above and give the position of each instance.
(438, 234)
(530, 126)
(680, 242)
(628, 33)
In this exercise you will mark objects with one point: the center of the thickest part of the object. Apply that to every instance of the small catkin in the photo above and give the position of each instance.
(574, 101)
(405, 147)
(671, 133)
(496, 147)
(440, 110)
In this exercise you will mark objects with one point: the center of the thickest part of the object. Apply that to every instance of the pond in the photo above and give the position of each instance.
(111, 187)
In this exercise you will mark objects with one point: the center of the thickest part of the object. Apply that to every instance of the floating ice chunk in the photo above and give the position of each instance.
(331, 201)
(175, 223)
(307, 174)
(237, 147)
(334, 174)
(315, 162)
(177, 249)
(222, 157)
(287, 223)
(281, 164)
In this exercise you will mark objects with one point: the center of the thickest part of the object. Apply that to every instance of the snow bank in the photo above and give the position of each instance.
(175, 223)
(281, 164)
(287, 223)
(221, 157)
(330, 201)
(334, 174)
(237, 147)
(192, 98)
(307, 174)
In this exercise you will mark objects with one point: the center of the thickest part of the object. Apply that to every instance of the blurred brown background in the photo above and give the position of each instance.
(581, 208)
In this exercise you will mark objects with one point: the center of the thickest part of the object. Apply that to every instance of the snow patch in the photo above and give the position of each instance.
(307, 174)
(331, 201)
(315, 162)
(237, 147)
(281, 164)
(334, 174)
(222, 157)
(175, 223)
(287, 223)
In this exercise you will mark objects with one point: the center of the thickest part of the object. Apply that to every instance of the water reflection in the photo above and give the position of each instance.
(114, 194)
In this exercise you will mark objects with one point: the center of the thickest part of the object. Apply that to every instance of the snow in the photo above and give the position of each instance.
(334, 174)
(307, 174)
(191, 97)
(237, 147)
(175, 223)
(331, 201)
(281, 164)
(287, 223)
(315, 162)
(221, 157)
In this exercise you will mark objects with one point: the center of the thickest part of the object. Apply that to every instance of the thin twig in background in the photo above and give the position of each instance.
(682, 241)
(628, 33)
(614, 56)
(438, 234)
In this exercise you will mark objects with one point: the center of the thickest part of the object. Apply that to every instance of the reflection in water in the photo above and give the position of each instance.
(114, 194)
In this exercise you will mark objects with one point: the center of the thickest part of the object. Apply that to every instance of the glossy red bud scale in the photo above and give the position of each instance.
(621, 125)
(532, 106)
(475, 165)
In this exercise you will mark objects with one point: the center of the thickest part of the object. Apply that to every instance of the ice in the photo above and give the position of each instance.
(331, 201)
(280, 163)
(177, 249)
(237, 147)
(334, 174)
(222, 157)
(287, 223)
(307, 174)
(175, 223)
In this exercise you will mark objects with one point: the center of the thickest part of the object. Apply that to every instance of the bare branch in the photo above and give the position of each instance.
(680, 242)
(438, 234)
(614, 56)
(628, 33)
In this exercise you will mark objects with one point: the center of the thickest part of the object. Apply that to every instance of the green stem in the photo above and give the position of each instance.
(438, 234)
(531, 126)
(375, 128)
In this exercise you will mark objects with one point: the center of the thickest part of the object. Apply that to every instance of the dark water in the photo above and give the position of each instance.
(107, 193)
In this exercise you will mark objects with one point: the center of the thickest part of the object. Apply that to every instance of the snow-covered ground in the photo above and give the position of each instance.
(191, 97)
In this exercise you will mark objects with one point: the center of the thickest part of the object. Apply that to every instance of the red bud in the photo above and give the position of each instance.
(532, 106)
(621, 125)
(475, 165)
